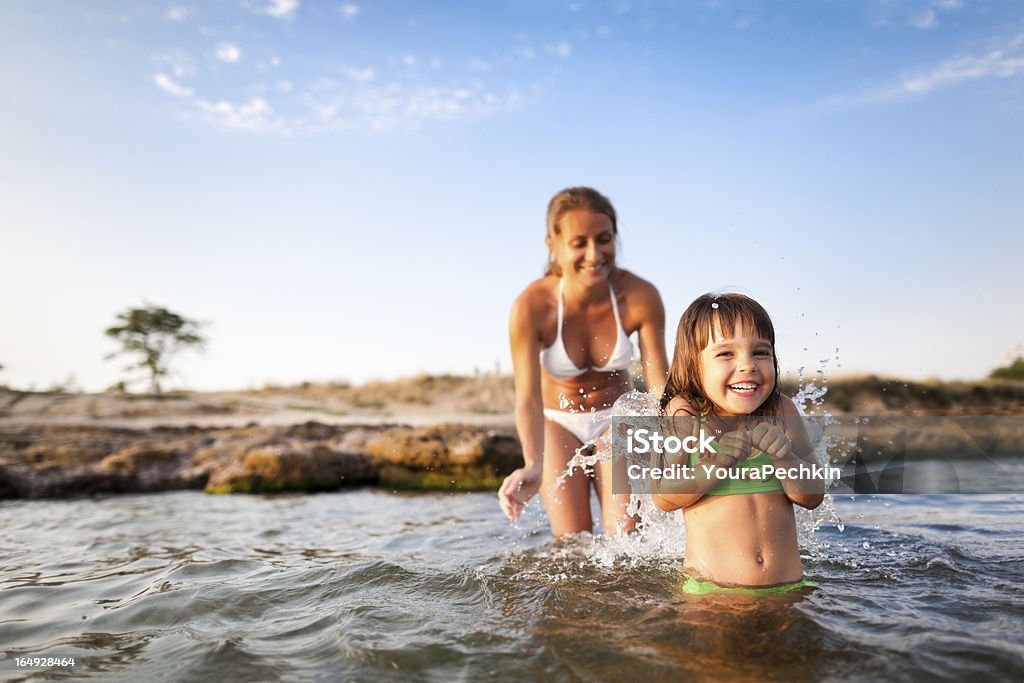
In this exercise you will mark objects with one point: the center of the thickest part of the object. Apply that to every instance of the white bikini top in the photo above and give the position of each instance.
(555, 358)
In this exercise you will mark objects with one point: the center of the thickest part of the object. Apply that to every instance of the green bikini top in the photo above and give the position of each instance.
(743, 483)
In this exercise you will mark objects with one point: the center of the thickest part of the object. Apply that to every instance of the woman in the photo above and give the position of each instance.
(571, 354)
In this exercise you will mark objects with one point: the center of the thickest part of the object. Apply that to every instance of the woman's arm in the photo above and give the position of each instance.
(524, 339)
(651, 334)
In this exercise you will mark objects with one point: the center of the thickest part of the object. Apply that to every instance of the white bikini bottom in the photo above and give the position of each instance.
(585, 426)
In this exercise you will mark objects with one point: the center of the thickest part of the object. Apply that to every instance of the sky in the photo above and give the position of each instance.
(355, 190)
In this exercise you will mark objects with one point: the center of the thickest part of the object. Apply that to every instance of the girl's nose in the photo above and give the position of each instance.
(592, 250)
(746, 362)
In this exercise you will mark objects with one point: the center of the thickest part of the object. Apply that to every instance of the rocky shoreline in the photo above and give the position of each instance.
(421, 433)
(63, 461)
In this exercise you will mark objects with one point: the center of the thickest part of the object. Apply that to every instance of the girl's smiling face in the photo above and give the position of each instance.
(737, 372)
(585, 247)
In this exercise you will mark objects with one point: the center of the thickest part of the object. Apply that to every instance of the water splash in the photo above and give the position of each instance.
(660, 536)
(809, 400)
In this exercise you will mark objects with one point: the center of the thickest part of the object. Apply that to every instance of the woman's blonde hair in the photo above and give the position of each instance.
(708, 314)
(571, 199)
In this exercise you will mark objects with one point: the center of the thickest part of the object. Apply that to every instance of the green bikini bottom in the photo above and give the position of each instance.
(694, 586)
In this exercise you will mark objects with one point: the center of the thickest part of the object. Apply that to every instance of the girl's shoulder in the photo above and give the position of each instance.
(682, 406)
(786, 407)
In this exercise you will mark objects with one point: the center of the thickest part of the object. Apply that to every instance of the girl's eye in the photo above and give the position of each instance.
(724, 354)
(762, 353)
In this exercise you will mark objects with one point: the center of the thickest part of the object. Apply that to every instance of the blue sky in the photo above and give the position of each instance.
(354, 190)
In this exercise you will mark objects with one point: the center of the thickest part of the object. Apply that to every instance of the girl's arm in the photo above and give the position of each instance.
(524, 339)
(651, 335)
(669, 495)
(806, 493)
(681, 494)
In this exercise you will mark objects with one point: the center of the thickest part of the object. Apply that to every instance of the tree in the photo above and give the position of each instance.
(154, 334)
(1014, 370)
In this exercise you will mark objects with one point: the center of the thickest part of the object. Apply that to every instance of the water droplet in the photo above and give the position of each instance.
(563, 402)
(866, 545)
(715, 305)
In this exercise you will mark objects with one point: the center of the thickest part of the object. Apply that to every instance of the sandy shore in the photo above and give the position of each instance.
(420, 401)
(483, 400)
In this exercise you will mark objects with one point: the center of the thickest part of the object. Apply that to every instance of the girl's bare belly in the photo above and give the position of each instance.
(591, 390)
(743, 540)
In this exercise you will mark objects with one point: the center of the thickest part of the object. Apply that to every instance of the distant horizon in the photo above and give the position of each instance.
(136, 387)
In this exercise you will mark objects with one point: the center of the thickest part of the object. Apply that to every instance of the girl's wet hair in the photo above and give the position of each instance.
(713, 314)
(571, 199)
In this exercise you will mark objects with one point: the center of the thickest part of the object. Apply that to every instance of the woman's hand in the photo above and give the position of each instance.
(773, 441)
(517, 489)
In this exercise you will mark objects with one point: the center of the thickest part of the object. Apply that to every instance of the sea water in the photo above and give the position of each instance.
(374, 585)
(370, 585)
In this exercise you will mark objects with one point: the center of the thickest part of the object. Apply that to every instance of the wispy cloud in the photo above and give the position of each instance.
(168, 85)
(373, 108)
(254, 115)
(228, 52)
(349, 11)
(1006, 61)
(356, 74)
(178, 62)
(280, 9)
(924, 20)
(995, 64)
(358, 105)
(395, 91)
(561, 49)
(177, 13)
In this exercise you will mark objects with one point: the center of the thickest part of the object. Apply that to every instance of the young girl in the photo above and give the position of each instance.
(740, 532)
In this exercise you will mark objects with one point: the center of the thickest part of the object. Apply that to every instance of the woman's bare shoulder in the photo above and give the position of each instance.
(535, 300)
(635, 286)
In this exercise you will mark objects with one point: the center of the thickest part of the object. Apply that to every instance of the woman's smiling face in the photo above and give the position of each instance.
(737, 372)
(585, 248)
